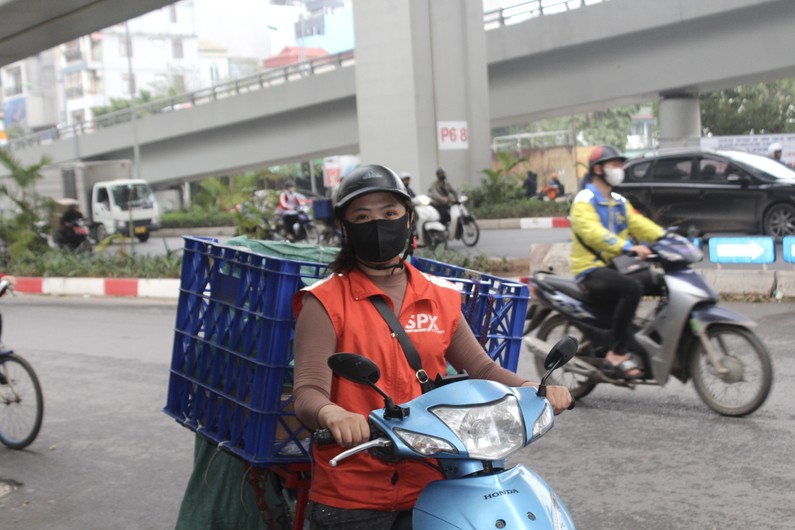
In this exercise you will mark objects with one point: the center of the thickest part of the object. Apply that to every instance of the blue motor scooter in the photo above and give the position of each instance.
(470, 427)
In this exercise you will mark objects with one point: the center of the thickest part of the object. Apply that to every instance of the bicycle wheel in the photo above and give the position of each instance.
(21, 402)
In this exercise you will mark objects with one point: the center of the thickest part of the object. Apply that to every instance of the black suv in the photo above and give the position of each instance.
(702, 191)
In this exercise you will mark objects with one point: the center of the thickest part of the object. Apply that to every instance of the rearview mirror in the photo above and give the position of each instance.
(355, 368)
(562, 352)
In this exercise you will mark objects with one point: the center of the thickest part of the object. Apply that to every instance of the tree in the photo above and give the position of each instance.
(499, 185)
(763, 108)
(21, 231)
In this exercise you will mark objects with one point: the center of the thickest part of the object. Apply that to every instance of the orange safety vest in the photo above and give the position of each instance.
(430, 314)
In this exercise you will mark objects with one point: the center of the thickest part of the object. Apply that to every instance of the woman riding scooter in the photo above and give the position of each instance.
(337, 314)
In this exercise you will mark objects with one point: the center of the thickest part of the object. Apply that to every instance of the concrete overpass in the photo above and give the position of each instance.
(30, 26)
(617, 52)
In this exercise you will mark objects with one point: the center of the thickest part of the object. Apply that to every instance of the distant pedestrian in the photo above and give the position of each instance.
(530, 184)
(774, 151)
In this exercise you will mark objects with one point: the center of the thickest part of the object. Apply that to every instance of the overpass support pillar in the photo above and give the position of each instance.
(422, 88)
(680, 121)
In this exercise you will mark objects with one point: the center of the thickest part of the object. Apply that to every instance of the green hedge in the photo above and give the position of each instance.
(520, 208)
(195, 218)
(121, 264)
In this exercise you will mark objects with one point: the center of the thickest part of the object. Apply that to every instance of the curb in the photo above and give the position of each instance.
(122, 287)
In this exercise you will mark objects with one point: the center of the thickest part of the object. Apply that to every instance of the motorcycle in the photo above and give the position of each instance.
(428, 228)
(431, 232)
(470, 427)
(73, 235)
(686, 334)
(304, 228)
(463, 223)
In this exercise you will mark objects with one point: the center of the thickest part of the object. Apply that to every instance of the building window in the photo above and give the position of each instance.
(96, 49)
(176, 48)
(172, 14)
(128, 83)
(94, 82)
(14, 81)
(125, 47)
(74, 85)
(214, 75)
(72, 51)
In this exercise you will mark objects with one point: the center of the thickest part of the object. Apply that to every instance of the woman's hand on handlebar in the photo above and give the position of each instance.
(560, 398)
(348, 428)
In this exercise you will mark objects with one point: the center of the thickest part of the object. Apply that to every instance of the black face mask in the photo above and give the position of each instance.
(378, 241)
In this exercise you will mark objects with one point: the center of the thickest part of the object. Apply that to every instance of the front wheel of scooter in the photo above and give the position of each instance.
(470, 232)
(745, 383)
(551, 331)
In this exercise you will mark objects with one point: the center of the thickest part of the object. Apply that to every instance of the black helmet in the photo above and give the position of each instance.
(604, 153)
(368, 179)
(441, 172)
(289, 184)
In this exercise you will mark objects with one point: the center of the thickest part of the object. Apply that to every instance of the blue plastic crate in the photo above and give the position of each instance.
(322, 209)
(494, 307)
(231, 370)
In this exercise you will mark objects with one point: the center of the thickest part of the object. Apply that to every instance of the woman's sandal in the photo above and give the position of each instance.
(622, 369)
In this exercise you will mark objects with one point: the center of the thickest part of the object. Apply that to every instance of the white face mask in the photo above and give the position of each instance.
(614, 175)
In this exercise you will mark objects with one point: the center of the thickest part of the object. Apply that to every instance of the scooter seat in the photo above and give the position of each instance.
(564, 284)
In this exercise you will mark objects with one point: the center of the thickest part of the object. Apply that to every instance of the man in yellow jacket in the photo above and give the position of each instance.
(604, 225)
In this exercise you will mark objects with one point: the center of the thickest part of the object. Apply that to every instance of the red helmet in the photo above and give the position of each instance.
(604, 153)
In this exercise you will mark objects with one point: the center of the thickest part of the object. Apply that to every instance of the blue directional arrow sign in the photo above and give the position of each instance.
(742, 250)
(789, 249)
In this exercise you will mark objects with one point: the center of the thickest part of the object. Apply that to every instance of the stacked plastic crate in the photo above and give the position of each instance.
(231, 370)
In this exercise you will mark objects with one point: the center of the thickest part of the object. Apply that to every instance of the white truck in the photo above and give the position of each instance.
(112, 201)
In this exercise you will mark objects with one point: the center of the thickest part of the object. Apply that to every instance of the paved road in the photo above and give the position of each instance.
(107, 457)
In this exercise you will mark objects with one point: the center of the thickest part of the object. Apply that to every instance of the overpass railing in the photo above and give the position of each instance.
(264, 79)
(522, 11)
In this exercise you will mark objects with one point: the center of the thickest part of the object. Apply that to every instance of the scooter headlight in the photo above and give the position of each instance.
(424, 444)
(489, 432)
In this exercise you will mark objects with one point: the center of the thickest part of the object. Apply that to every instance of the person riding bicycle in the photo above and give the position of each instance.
(442, 195)
(336, 314)
(12, 281)
(289, 202)
(604, 225)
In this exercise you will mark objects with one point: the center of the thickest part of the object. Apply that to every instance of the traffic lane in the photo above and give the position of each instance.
(106, 457)
(658, 458)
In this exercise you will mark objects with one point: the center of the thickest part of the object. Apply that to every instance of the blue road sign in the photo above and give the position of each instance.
(789, 249)
(742, 250)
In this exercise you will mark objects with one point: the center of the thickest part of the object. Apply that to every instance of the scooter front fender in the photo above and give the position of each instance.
(514, 498)
(706, 315)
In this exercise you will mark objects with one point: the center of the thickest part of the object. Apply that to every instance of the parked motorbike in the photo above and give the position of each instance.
(470, 427)
(686, 334)
(73, 235)
(304, 228)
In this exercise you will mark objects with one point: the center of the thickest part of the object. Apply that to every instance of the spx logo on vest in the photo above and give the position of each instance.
(423, 322)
